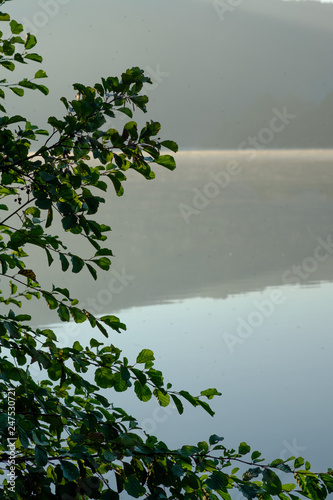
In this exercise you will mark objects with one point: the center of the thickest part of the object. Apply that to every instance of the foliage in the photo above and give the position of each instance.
(61, 437)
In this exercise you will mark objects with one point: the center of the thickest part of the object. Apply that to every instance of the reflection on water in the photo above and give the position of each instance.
(241, 235)
(224, 268)
(272, 365)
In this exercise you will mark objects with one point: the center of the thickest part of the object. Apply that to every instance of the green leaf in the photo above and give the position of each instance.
(166, 161)
(210, 393)
(109, 456)
(103, 251)
(284, 467)
(178, 404)
(250, 473)
(119, 384)
(15, 27)
(271, 482)
(55, 123)
(119, 189)
(95, 343)
(34, 57)
(63, 312)
(188, 451)
(12, 329)
(103, 263)
(113, 322)
(126, 111)
(23, 317)
(49, 218)
(328, 481)
(251, 490)
(255, 455)
(244, 448)
(44, 90)
(102, 329)
(8, 65)
(144, 356)
(55, 370)
(40, 74)
(104, 377)
(173, 146)
(288, 487)
(92, 271)
(23, 437)
(162, 397)
(77, 264)
(44, 204)
(298, 462)
(49, 256)
(64, 262)
(78, 315)
(51, 300)
(139, 375)
(40, 456)
(186, 395)
(46, 176)
(125, 373)
(4, 16)
(69, 222)
(17, 91)
(214, 439)
(30, 41)
(133, 487)
(35, 212)
(142, 391)
(217, 481)
(69, 470)
(206, 407)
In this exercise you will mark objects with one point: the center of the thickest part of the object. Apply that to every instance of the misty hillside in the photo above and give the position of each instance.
(217, 74)
(288, 56)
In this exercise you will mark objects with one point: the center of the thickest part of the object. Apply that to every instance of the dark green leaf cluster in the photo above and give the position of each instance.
(60, 435)
(15, 49)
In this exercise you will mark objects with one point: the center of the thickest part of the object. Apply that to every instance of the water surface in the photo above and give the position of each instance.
(224, 268)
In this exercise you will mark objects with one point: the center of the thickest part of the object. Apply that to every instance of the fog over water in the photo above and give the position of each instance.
(217, 226)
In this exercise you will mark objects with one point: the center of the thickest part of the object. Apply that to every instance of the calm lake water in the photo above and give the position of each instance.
(224, 268)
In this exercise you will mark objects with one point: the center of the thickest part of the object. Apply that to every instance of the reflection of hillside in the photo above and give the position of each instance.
(266, 220)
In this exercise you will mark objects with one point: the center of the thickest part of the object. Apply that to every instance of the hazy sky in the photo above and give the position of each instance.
(217, 74)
